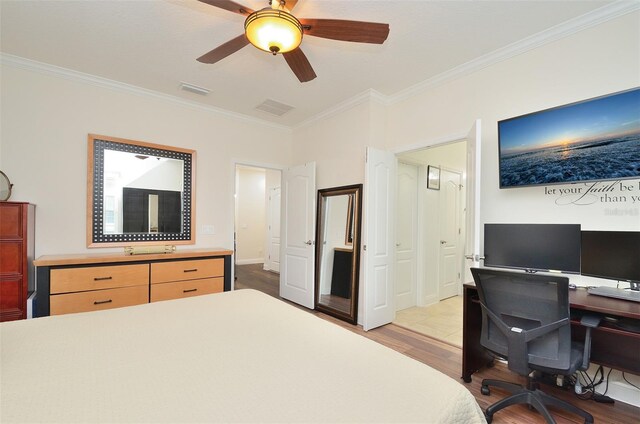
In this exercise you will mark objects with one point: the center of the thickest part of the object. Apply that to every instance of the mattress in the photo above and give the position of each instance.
(237, 356)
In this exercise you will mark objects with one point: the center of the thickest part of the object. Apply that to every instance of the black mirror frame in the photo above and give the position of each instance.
(95, 193)
(356, 204)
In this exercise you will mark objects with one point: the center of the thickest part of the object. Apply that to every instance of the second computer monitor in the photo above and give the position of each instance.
(613, 255)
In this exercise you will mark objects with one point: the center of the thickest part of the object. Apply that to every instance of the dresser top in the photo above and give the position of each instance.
(97, 258)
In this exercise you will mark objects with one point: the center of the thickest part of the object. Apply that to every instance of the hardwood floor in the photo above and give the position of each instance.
(448, 360)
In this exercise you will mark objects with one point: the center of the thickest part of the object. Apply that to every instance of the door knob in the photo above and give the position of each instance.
(397, 244)
(443, 242)
(308, 242)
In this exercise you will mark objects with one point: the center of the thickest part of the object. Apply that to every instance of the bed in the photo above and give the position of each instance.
(237, 356)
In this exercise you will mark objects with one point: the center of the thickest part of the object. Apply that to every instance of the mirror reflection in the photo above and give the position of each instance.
(5, 187)
(142, 194)
(337, 251)
(139, 193)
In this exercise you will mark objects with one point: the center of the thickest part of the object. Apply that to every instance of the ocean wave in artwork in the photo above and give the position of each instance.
(612, 158)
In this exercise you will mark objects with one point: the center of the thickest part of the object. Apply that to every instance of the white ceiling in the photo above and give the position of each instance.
(154, 44)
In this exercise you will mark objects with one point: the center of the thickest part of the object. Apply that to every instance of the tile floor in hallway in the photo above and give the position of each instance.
(442, 320)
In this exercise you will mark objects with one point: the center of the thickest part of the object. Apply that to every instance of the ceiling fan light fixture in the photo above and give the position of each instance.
(274, 31)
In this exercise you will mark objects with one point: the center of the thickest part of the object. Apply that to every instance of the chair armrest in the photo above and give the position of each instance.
(591, 321)
(588, 321)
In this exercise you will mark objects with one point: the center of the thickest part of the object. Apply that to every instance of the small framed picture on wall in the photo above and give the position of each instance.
(433, 177)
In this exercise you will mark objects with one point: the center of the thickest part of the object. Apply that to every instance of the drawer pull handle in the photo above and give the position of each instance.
(102, 278)
(191, 270)
(189, 290)
(101, 302)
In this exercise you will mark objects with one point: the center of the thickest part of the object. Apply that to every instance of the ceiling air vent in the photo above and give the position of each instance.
(194, 89)
(273, 107)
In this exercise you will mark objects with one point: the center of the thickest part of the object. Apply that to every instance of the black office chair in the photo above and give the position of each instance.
(525, 319)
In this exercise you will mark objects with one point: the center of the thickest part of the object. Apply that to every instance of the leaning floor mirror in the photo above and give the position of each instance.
(338, 251)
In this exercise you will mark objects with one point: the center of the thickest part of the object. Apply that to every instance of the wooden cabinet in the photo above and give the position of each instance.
(96, 300)
(16, 257)
(98, 287)
(177, 279)
(67, 280)
(81, 283)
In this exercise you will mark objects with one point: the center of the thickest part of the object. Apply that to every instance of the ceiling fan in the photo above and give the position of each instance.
(275, 30)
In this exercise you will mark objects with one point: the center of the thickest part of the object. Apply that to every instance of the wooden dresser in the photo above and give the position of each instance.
(16, 256)
(89, 282)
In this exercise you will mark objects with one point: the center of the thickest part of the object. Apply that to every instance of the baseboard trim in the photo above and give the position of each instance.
(249, 261)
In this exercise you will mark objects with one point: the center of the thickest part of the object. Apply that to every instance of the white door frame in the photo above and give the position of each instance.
(234, 165)
(437, 142)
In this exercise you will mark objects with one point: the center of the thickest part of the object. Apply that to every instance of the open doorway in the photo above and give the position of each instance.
(430, 237)
(257, 224)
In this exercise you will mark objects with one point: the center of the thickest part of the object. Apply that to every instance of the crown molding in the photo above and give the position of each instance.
(71, 75)
(565, 29)
(369, 95)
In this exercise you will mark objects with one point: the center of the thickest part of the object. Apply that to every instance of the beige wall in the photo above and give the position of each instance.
(337, 144)
(45, 120)
(590, 63)
(250, 215)
(593, 62)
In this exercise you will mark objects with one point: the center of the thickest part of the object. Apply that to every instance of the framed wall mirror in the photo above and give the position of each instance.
(139, 193)
(338, 251)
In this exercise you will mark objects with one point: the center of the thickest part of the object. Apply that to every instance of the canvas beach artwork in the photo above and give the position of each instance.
(597, 139)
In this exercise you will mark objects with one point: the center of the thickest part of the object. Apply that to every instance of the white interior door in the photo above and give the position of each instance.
(472, 242)
(379, 238)
(449, 225)
(406, 279)
(298, 234)
(273, 248)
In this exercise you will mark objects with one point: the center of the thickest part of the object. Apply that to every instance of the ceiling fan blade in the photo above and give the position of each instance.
(290, 4)
(224, 50)
(229, 5)
(300, 65)
(355, 31)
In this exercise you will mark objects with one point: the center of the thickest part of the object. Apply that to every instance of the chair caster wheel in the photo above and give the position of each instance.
(485, 390)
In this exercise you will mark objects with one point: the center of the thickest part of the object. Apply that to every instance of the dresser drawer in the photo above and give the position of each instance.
(98, 299)
(180, 289)
(162, 272)
(68, 280)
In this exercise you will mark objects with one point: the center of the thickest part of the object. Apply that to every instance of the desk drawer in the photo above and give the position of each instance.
(69, 280)
(97, 300)
(162, 272)
(180, 289)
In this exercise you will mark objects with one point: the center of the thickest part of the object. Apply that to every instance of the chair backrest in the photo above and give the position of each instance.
(525, 317)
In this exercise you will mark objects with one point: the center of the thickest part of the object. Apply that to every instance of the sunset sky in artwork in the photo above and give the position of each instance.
(595, 119)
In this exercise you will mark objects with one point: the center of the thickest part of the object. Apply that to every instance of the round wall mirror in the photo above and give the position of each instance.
(5, 187)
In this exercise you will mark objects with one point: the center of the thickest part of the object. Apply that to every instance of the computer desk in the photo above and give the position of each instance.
(610, 346)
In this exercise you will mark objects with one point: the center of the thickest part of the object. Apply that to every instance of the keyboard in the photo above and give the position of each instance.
(616, 293)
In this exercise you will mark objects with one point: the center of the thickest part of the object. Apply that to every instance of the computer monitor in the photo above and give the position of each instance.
(533, 247)
(613, 255)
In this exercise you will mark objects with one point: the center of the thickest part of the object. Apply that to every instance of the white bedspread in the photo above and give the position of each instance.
(231, 357)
